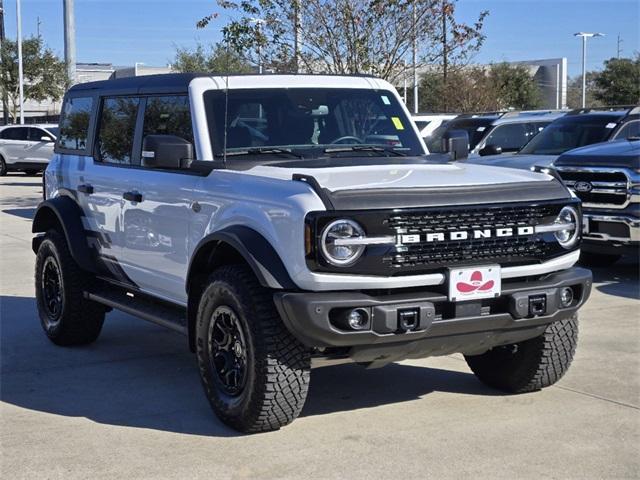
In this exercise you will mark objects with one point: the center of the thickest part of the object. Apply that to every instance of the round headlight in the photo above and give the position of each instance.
(336, 252)
(568, 236)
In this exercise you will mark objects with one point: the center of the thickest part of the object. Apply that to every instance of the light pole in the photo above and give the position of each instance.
(259, 22)
(70, 40)
(20, 73)
(584, 36)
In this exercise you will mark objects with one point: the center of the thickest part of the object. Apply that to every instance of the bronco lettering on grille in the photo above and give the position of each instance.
(465, 235)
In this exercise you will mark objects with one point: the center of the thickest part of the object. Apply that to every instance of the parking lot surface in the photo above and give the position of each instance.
(131, 405)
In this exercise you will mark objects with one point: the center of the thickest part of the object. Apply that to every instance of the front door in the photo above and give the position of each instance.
(157, 216)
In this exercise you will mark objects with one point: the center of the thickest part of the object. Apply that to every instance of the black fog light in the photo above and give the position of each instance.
(408, 319)
(566, 297)
(351, 319)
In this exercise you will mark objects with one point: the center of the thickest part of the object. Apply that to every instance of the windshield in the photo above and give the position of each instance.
(475, 128)
(571, 132)
(310, 122)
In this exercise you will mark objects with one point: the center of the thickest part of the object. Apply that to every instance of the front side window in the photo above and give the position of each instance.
(15, 133)
(37, 134)
(168, 116)
(571, 132)
(629, 130)
(117, 129)
(311, 121)
(74, 125)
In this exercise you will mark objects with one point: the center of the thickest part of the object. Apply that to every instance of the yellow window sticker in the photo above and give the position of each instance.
(397, 123)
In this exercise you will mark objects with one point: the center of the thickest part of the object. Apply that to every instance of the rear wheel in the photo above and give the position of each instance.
(254, 372)
(65, 315)
(529, 365)
(3, 167)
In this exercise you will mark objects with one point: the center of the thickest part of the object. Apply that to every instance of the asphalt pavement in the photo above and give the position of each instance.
(131, 405)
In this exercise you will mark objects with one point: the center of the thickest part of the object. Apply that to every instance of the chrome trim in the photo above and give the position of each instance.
(387, 240)
(632, 222)
(626, 190)
(555, 227)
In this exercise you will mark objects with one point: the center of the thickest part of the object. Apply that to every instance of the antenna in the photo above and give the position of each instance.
(226, 104)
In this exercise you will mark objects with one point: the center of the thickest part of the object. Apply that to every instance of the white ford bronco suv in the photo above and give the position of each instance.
(277, 220)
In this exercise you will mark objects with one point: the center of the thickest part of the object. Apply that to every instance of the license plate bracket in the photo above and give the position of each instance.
(474, 283)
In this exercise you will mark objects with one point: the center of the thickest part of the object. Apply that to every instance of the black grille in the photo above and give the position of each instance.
(607, 188)
(503, 250)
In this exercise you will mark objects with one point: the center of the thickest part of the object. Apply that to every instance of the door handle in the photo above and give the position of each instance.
(132, 196)
(85, 188)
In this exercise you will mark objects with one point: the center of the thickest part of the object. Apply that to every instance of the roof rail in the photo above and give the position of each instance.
(516, 113)
(496, 113)
(612, 108)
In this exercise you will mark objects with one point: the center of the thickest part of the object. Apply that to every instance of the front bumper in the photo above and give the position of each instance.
(310, 316)
(613, 229)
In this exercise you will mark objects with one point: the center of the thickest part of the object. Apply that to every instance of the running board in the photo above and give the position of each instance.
(141, 306)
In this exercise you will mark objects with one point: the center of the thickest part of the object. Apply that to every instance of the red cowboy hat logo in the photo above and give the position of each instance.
(475, 284)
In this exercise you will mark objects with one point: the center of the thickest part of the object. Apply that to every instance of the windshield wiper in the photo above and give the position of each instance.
(363, 148)
(262, 151)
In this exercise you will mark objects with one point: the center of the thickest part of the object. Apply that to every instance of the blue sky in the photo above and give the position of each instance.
(126, 31)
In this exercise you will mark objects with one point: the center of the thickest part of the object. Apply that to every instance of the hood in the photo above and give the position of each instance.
(416, 186)
(522, 162)
(618, 154)
(375, 177)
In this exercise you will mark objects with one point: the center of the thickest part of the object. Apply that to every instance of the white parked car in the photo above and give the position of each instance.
(26, 148)
(428, 123)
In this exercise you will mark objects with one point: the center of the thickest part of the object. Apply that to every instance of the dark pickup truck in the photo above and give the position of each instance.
(606, 177)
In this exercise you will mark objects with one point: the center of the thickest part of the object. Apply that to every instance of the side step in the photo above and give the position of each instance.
(142, 306)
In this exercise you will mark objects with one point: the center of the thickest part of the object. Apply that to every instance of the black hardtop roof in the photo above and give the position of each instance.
(175, 82)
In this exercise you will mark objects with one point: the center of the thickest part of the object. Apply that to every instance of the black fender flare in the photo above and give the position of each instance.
(66, 213)
(254, 249)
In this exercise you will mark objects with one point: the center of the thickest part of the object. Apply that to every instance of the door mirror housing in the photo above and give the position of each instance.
(46, 138)
(490, 150)
(456, 144)
(166, 151)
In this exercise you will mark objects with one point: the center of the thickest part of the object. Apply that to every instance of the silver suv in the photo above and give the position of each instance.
(26, 148)
(280, 220)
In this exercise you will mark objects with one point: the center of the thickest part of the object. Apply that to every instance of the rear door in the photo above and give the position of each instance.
(14, 143)
(156, 225)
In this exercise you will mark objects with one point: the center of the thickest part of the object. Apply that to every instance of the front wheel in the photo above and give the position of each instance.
(529, 365)
(66, 316)
(254, 372)
(3, 167)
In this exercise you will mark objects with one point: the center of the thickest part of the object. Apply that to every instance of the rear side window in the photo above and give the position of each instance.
(168, 116)
(117, 129)
(15, 133)
(74, 126)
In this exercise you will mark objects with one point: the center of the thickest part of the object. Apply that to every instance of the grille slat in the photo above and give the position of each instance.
(608, 188)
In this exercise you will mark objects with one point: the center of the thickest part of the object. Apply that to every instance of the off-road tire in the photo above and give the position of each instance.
(529, 365)
(598, 259)
(80, 320)
(3, 167)
(277, 365)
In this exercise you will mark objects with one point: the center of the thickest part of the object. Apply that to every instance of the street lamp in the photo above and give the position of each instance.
(584, 36)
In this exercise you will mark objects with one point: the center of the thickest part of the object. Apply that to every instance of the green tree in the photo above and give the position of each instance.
(214, 59)
(619, 82)
(44, 73)
(574, 91)
(348, 36)
(473, 89)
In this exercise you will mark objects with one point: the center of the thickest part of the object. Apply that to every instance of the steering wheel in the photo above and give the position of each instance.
(346, 137)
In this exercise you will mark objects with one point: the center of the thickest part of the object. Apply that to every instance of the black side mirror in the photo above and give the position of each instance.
(456, 143)
(490, 150)
(166, 151)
